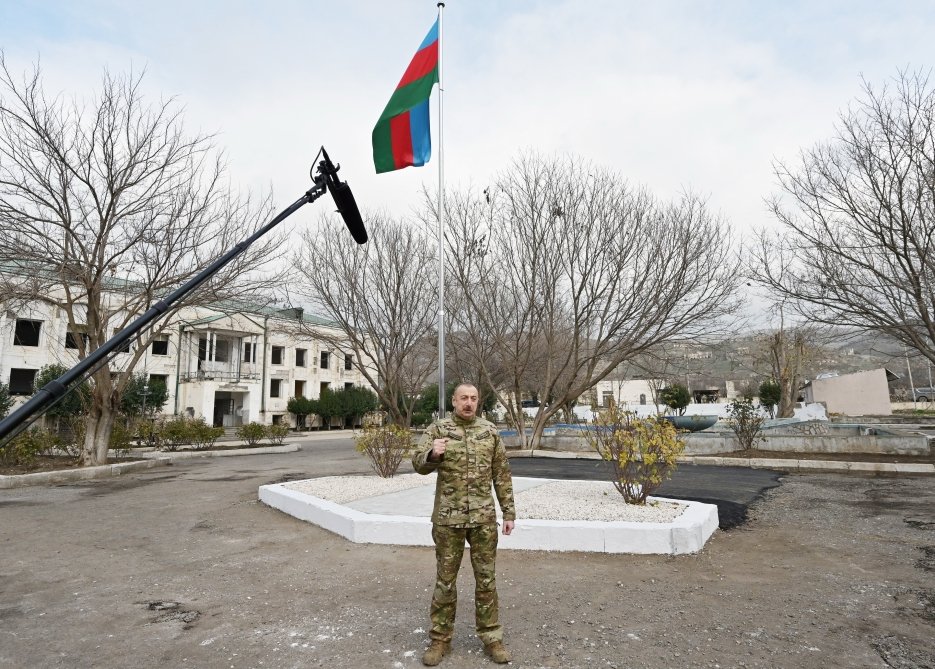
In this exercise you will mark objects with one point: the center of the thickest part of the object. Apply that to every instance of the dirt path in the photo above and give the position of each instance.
(182, 567)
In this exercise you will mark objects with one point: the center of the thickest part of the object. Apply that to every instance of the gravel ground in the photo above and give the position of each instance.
(183, 567)
(559, 500)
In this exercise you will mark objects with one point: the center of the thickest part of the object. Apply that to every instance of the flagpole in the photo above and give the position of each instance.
(441, 218)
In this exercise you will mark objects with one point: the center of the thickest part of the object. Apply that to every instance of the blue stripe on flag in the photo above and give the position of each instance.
(421, 135)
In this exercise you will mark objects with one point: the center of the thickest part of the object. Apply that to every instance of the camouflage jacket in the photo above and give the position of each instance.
(473, 459)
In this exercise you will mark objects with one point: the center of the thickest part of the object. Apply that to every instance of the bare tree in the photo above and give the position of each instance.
(857, 215)
(107, 205)
(791, 354)
(566, 272)
(382, 297)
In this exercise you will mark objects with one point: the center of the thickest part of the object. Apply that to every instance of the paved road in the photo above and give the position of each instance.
(181, 566)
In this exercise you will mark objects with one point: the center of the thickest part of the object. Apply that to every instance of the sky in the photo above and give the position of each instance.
(672, 95)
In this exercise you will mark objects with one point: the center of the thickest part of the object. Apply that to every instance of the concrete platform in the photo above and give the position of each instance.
(377, 520)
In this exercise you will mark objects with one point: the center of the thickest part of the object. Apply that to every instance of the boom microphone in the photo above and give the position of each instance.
(343, 198)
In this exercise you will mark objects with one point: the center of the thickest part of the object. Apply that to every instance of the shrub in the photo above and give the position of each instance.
(251, 433)
(71, 433)
(276, 433)
(770, 394)
(175, 433)
(746, 421)
(421, 418)
(202, 434)
(120, 438)
(642, 453)
(677, 397)
(29, 444)
(151, 433)
(386, 446)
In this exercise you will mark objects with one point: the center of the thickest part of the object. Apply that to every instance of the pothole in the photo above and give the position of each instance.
(919, 524)
(927, 561)
(927, 602)
(173, 612)
(290, 476)
(899, 654)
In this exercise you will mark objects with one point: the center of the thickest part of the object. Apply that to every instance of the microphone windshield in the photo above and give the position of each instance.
(347, 207)
(343, 198)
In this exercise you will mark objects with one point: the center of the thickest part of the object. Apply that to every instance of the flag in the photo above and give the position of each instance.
(401, 137)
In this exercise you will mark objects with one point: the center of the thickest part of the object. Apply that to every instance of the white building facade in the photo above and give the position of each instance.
(228, 367)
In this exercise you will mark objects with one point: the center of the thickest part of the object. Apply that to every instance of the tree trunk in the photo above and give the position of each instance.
(787, 397)
(99, 425)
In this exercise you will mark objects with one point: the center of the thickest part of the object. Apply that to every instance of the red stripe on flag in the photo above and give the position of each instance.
(422, 63)
(401, 140)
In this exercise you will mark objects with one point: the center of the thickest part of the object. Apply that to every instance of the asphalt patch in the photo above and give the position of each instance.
(291, 476)
(731, 489)
(173, 612)
(927, 561)
(899, 654)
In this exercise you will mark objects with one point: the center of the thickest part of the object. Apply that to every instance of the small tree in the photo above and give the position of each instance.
(73, 403)
(5, 400)
(643, 453)
(677, 397)
(386, 446)
(746, 421)
(142, 396)
(357, 402)
(770, 393)
(329, 405)
(300, 407)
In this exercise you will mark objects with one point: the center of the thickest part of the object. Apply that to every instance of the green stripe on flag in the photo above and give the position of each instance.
(410, 95)
(383, 147)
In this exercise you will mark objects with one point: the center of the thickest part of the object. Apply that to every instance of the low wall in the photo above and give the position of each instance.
(819, 440)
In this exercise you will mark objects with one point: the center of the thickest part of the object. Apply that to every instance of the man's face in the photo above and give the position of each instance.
(465, 401)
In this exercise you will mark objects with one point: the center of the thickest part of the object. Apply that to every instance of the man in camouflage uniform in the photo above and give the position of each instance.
(468, 455)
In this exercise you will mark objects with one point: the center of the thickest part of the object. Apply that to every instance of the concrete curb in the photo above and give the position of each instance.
(783, 464)
(788, 464)
(685, 534)
(83, 474)
(185, 455)
(152, 459)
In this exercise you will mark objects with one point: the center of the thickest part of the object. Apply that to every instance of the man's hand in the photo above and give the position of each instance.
(438, 448)
(508, 526)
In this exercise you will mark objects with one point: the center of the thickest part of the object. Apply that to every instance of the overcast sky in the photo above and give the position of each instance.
(672, 95)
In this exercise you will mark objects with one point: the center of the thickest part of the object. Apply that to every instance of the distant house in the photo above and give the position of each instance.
(857, 394)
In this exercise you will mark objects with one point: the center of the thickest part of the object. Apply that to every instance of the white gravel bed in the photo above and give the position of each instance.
(344, 489)
(558, 500)
(589, 500)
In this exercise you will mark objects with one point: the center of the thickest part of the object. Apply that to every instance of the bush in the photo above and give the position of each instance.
(421, 418)
(386, 447)
(677, 397)
(643, 453)
(770, 394)
(251, 433)
(150, 433)
(276, 433)
(175, 433)
(29, 444)
(71, 434)
(203, 435)
(746, 421)
(120, 438)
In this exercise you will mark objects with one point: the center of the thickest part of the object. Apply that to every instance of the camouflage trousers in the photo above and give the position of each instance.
(449, 549)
